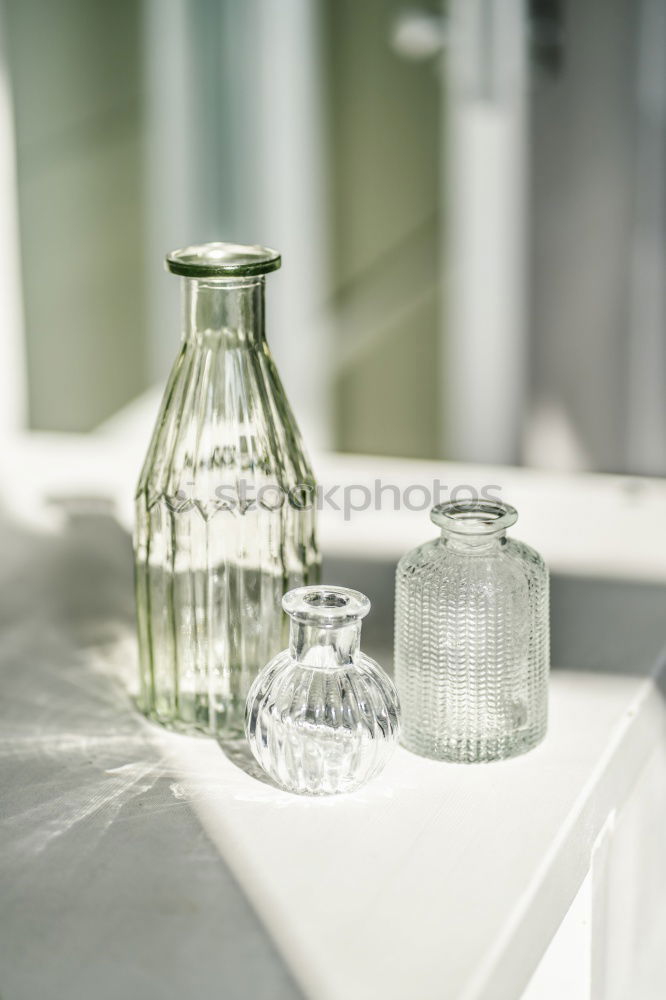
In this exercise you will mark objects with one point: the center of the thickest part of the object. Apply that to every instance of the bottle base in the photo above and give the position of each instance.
(318, 793)
(474, 751)
(230, 728)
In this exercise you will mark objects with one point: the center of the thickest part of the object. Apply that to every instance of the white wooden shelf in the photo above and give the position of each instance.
(435, 881)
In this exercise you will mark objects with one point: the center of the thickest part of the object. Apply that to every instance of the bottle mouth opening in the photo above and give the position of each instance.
(474, 517)
(326, 600)
(223, 260)
(321, 605)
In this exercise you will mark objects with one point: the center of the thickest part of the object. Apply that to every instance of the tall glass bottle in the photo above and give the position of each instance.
(225, 511)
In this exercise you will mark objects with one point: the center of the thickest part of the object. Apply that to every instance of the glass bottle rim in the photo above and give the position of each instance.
(223, 260)
(474, 517)
(325, 606)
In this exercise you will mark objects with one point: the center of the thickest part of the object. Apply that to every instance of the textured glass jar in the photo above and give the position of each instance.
(472, 638)
(225, 520)
(321, 716)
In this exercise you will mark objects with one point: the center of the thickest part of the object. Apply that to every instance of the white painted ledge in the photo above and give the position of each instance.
(436, 881)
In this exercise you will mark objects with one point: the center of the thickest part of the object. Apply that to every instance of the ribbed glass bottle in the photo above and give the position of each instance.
(472, 638)
(322, 717)
(225, 512)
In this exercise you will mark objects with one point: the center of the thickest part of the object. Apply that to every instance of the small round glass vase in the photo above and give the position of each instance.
(322, 717)
(471, 641)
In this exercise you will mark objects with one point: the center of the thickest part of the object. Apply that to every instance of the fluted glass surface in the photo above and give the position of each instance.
(219, 538)
(472, 638)
(322, 717)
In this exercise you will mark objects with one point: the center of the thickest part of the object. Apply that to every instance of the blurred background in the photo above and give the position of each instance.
(470, 198)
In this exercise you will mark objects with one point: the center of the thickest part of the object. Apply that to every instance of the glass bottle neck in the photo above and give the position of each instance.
(324, 646)
(232, 308)
(482, 543)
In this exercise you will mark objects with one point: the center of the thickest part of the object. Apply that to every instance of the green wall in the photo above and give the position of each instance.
(384, 142)
(76, 81)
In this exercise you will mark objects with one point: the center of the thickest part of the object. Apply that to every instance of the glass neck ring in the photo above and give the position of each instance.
(474, 524)
(325, 625)
(231, 308)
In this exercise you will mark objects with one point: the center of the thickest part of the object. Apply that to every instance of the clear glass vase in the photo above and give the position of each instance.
(322, 717)
(225, 512)
(472, 638)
